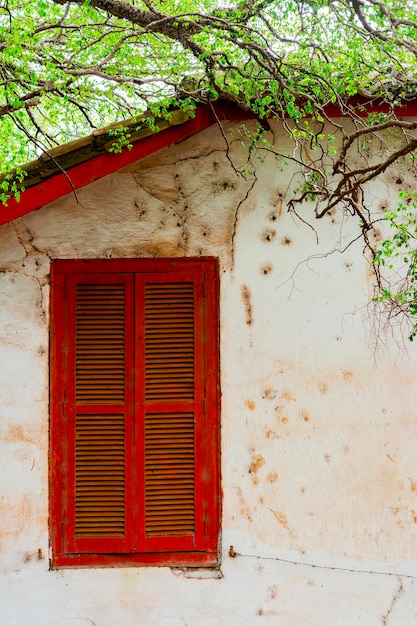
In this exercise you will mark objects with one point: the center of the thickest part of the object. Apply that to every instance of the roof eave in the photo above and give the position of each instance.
(83, 161)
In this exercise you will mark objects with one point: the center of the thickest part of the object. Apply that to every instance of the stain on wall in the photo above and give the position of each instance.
(268, 235)
(247, 301)
(266, 269)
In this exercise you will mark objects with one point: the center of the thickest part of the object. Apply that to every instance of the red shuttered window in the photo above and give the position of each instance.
(134, 447)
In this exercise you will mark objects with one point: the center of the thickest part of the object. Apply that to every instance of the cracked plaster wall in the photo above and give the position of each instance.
(318, 426)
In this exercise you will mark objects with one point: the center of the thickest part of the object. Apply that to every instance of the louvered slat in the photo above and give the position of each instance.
(169, 342)
(169, 474)
(100, 366)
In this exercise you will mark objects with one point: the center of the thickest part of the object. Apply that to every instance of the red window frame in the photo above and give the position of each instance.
(201, 548)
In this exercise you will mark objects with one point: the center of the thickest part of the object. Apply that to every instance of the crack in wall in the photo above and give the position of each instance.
(25, 237)
(179, 197)
(394, 600)
(32, 252)
(198, 157)
(182, 220)
(40, 285)
(141, 173)
(175, 199)
(235, 222)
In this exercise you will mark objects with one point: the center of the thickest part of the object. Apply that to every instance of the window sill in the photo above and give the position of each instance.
(176, 560)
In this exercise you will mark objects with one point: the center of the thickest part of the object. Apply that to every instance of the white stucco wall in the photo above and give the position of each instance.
(319, 426)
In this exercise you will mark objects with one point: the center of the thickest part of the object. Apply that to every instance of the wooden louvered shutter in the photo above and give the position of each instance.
(134, 438)
(171, 384)
(99, 419)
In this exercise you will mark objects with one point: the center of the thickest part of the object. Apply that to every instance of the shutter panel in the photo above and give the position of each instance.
(169, 436)
(171, 372)
(99, 439)
(100, 426)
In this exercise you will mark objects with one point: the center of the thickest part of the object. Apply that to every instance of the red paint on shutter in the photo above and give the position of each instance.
(99, 420)
(99, 439)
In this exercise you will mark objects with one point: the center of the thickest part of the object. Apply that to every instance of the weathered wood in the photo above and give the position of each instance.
(68, 155)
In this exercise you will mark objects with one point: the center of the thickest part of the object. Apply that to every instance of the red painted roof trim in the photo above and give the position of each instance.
(364, 106)
(97, 167)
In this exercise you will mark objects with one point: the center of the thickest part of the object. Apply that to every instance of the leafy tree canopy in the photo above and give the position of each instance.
(69, 66)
